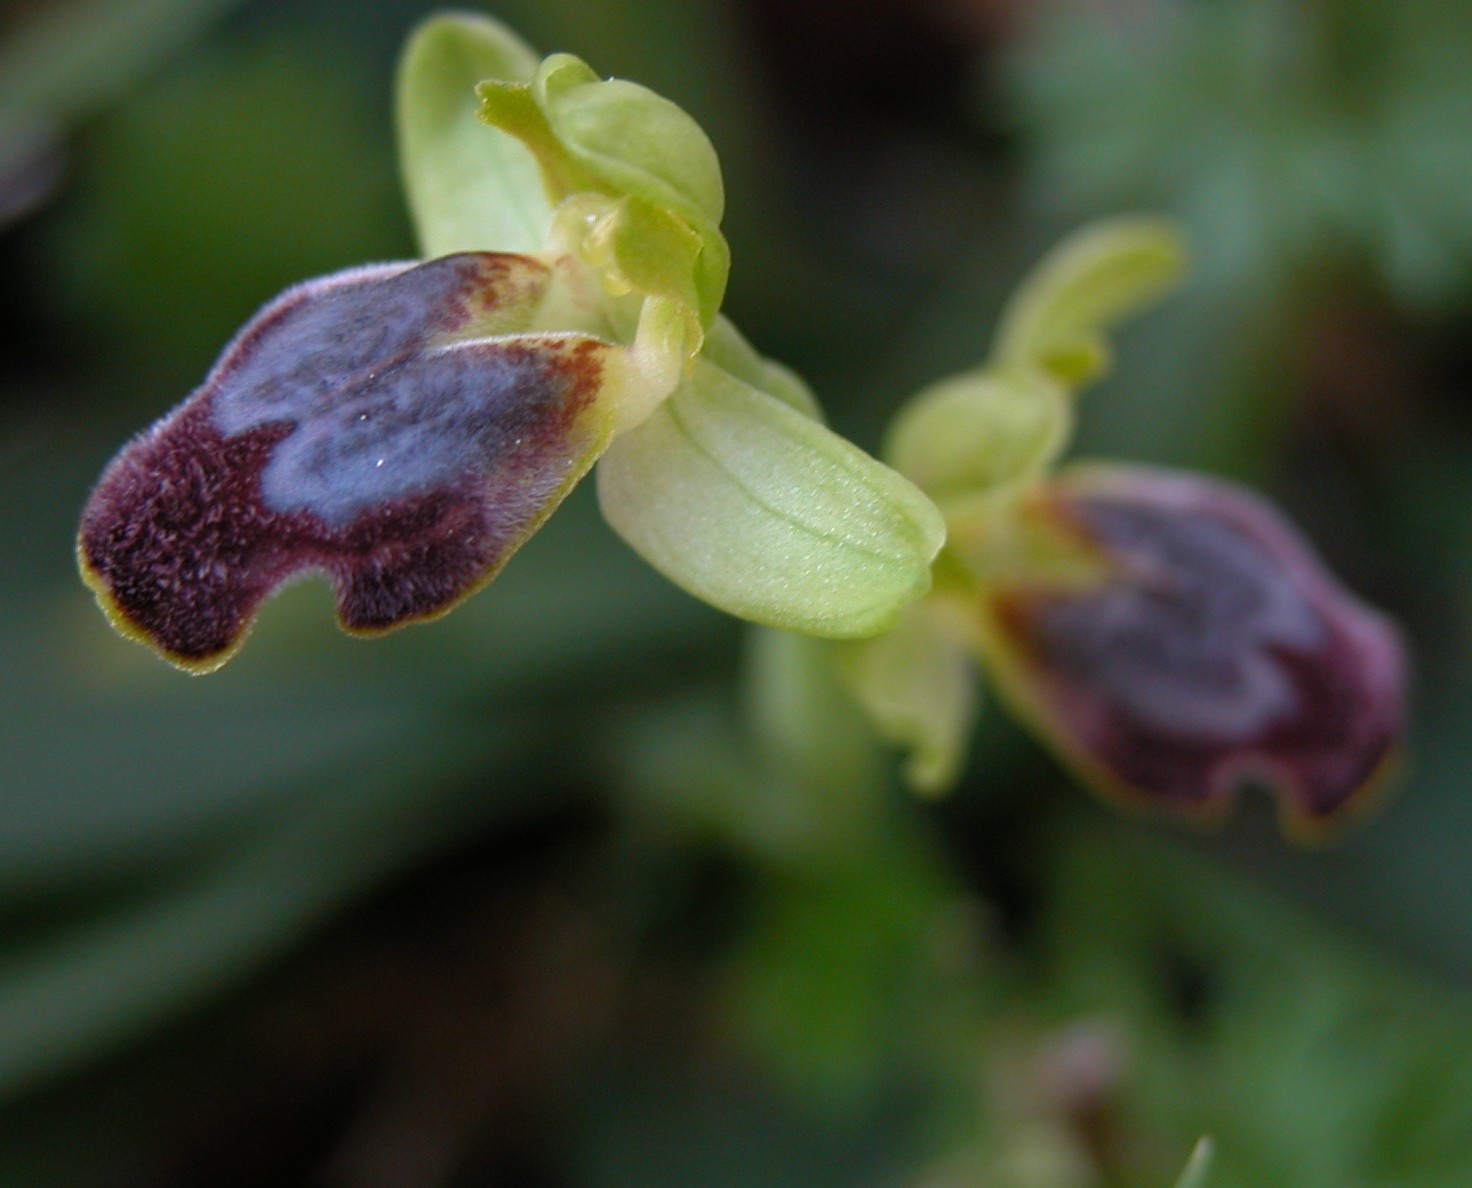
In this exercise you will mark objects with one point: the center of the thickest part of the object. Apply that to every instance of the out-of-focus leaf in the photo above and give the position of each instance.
(171, 241)
(78, 994)
(1198, 1168)
(1283, 138)
(64, 58)
(826, 984)
(717, 1127)
(113, 762)
(1310, 1060)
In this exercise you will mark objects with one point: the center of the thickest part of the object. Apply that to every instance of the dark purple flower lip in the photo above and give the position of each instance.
(394, 428)
(1214, 651)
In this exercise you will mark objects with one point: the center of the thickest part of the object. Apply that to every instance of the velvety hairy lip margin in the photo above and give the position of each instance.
(360, 426)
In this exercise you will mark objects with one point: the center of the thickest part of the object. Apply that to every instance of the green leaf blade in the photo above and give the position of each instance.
(1198, 1167)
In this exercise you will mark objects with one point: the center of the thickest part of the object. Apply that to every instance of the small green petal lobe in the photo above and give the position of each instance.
(610, 137)
(974, 433)
(764, 513)
(643, 248)
(470, 187)
(1059, 316)
(633, 140)
(920, 691)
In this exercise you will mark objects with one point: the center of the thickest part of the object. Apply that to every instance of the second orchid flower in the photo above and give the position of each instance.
(1169, 636)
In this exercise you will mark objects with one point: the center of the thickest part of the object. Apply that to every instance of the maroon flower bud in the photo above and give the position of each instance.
(1210, 650)
(365, 426)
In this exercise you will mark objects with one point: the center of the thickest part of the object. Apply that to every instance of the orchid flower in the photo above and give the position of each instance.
(1169, 636)
(403, 428)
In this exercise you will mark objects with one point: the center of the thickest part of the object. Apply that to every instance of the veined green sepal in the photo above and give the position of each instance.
(728, 349)
(761, 511)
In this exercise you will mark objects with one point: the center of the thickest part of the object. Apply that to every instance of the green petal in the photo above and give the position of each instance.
(470, 187)
(621, 140)
(1057, 319)
(919, 690)
(762, 512)
(975, 433)
(632, 140)
(638, 247)
(610, 137)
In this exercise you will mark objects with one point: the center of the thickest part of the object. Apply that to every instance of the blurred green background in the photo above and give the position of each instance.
(563, 890)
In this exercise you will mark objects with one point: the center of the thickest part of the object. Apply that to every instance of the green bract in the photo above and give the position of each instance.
(919, 691)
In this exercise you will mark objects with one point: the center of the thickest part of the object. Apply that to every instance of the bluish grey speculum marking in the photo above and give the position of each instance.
(1217, 651)
(348, 429)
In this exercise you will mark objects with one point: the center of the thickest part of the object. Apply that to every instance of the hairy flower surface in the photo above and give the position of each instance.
(350, 429)
(403, 428)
